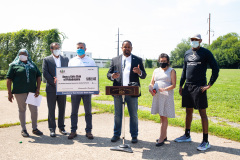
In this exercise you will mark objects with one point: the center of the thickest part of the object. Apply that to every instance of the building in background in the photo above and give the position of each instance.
(101, 63)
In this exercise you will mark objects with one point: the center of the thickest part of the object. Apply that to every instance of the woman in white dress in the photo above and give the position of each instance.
(161, 87)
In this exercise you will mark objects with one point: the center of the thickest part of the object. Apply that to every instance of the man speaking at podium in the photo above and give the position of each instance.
(125, 69)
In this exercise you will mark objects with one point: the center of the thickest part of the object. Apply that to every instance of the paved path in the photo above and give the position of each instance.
(9, 111)
(45, 147)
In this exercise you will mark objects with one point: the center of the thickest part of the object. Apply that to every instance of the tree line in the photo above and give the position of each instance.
(36, 42)
(225, 49)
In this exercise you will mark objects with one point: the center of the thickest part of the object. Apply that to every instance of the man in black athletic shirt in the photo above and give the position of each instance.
(194, 93)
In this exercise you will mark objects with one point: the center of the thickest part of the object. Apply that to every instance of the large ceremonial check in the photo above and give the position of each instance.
(77, 80)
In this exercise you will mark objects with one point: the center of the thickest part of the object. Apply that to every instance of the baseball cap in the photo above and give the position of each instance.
(197, 36)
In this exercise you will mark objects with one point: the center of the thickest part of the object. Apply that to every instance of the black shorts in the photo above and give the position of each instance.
(192, 97)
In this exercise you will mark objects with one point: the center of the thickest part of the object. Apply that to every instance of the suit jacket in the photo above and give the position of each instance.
(116, 65)
(49, 71)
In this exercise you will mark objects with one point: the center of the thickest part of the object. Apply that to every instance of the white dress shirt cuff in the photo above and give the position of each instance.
(140, 74)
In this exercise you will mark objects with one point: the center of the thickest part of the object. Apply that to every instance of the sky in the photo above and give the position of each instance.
(153, 26)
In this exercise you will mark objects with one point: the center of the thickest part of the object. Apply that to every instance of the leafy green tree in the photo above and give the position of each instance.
(148, 63)
(36, 42)
(177, 55)
(226, 50)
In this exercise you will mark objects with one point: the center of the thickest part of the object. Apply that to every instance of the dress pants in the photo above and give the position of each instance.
(21, 99)
(76, 99)
(52, 98)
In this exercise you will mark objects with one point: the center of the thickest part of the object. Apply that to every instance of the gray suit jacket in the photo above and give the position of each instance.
(49, 71)
(116, 65)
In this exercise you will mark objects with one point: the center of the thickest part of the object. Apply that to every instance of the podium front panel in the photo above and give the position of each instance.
(122, 90)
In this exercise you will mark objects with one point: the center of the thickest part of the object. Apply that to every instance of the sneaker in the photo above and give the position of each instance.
(204, 146)
(25, 133)
(37, 132)
(183, 138)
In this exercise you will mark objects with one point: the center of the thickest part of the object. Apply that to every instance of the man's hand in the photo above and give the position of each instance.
(115, 75)
(55, 80)
(37, 93)
(204, 88)
(10, 97)
(137, 70)
(180, 90)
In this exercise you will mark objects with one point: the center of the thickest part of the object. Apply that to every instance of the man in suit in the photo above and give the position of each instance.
(124, 69)
(49, 72)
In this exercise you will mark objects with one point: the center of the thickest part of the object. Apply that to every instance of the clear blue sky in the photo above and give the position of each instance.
(153, 26)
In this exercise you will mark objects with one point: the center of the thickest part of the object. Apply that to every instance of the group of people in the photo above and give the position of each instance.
(124, 70)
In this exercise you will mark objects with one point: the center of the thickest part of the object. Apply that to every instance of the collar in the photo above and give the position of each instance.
(55, 57)
(127, 58)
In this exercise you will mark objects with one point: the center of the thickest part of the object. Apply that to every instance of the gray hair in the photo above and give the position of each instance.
(82, 43)
(54, 43)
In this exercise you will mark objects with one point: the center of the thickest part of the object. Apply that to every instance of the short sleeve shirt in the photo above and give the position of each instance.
(85, 61)
(18, 76)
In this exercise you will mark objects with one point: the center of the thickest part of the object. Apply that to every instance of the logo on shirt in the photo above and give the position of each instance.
(62, 71)
(192, 57)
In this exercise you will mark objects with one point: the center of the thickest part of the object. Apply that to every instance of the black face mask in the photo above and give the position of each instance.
(163, 65)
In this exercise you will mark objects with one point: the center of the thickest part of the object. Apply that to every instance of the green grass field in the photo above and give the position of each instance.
(223, 96)
(223, 99)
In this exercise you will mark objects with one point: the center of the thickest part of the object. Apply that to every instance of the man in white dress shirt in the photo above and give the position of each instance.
(49, 72)
(125, 69)
(81, 60)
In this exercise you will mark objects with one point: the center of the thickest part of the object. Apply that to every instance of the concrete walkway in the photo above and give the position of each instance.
(45, 147)
(9, 111)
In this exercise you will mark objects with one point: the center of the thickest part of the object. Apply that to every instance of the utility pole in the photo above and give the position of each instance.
(118, 43)
(209, 30)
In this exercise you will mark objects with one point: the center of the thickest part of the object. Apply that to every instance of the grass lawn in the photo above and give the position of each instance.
(223, 99)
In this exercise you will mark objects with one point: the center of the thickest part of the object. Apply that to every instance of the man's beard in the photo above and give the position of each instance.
(127, 53)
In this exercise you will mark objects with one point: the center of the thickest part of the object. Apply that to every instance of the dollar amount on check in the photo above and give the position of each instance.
(77, 80)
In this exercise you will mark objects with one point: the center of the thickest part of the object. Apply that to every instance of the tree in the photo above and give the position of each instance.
(177, 55)
(226, 50)
(148, 63)
(36, 42)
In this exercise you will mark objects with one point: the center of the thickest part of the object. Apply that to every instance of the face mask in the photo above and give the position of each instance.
(163, 65)
(57, 52)
(80, 52)
(195, 44)
(23, 58)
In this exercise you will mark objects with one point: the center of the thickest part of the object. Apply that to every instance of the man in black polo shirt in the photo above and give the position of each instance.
(194, 93)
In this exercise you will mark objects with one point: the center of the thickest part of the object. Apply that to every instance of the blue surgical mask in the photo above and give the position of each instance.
(195, 44)
(80, 52)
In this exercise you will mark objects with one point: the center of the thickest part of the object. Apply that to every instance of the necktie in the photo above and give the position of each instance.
(124, 64)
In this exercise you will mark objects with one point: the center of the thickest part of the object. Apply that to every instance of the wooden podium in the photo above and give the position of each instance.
(122, 91)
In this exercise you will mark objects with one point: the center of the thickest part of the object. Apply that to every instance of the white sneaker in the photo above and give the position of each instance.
(204, 146)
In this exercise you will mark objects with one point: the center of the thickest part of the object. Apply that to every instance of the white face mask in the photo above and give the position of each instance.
(57, 52)
(23, 58)
(194, 44)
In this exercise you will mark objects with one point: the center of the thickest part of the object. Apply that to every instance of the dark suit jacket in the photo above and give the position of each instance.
(116, 65)
(49, 71)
